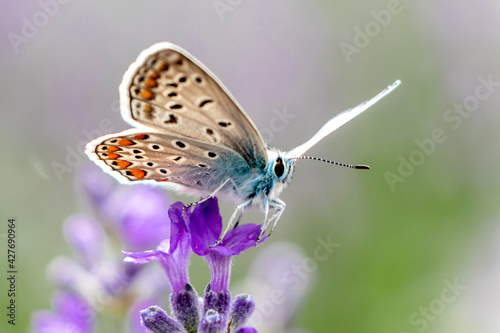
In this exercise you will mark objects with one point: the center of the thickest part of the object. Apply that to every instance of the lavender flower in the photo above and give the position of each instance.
(212, 322)
(156, 320)
(96, 274)
(205, 227)
(198, 231)
(71, 314)
(172, 253)
(138, 218)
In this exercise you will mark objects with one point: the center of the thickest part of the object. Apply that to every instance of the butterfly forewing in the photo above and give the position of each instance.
(168, 90)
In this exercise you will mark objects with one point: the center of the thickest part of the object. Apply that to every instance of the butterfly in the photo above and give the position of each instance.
(191, 135)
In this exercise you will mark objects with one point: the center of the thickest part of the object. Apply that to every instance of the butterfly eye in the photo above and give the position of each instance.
(279, 167)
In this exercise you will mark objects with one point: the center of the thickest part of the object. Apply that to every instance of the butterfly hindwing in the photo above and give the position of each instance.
(170, 91)
(169, 158)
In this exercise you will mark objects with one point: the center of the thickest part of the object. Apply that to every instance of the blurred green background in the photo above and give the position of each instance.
(406, 230)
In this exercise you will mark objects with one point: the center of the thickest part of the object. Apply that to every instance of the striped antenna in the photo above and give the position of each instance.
(357, 166)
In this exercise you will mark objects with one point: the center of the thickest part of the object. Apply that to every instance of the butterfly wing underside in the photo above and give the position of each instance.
(191, 133)
(169, 90)
(161, 157)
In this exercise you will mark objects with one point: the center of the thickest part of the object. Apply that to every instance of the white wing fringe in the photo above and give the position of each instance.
(339, 120)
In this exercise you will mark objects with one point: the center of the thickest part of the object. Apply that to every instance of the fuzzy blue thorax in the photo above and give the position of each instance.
(276, 177)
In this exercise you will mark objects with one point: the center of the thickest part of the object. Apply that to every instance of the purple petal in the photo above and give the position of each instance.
(96, 185)
(86, 236)
(239, 239)
(71, 314)
(75, 309)
(49, 322)
(205, 226)
(247, 330)
(178, 227)
(139, 214)
(141, 257)
(175, 265)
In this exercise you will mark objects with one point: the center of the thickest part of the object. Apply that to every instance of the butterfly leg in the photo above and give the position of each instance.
(238, 212)
(238, 221)
(211, 195)
(266, 220)
(280, 206)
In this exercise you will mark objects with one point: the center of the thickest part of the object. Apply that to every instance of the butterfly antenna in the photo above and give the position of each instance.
(357, 166)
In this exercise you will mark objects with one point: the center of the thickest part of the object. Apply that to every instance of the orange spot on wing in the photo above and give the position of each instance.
(123, 164)
(113, 149)
(161, 179)
(146, 94)
(147, 108)
(139, 174)
(154, 75)
(125, 142)
(150, 83)
(140, 137)
(113, 156)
